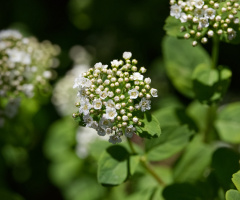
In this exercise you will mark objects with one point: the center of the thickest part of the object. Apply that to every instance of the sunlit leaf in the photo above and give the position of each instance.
(172, 141)
(150, 128)
(113, 165)
(228, 123)
(180, 60)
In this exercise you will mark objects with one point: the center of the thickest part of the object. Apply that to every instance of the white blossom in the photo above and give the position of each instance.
(199, 3)
(210, 13)
(115, 139)
(176, 11)
(127, 55)
(129, 131)
(145, 104)
(133, 93)
(154, 92)
(116, 63)
(110, 104)
(97, 104)
(111, 113)
(103, 94)
(137, 76)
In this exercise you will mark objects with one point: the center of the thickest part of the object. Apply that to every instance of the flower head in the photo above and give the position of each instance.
(113, 99)
(25, 64)
(200, 17)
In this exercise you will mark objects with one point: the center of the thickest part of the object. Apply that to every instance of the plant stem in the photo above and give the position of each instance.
(151, 171)
(131, 146)
(215, 52)
(211, 113)
(145, 164)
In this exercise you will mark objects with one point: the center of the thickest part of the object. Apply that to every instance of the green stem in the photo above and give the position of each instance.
(145, 164)
(215, 52)
(131, 146)
(211, 114)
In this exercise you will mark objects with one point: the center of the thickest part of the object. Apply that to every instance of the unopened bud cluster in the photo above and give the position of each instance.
(109, 97)
(24, 64)
(204, 19)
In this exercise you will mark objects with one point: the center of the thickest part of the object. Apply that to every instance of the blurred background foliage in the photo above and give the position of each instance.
(38, 148)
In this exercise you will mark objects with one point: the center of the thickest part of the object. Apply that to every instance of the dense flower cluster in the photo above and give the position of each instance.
(202, 19)
(109, 97)
(24, 64)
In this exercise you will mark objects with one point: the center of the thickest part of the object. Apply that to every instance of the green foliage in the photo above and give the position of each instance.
(172, 141)
(150, 128)
(234, 194)
(181, 59)
(209, 85)
(228, 123)
(193, 162)
(113, 165)
(224, 170)
(173, 27)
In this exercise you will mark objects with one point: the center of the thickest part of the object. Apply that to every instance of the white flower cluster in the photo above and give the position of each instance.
(201, 18)
(111, 97)
(24, 64)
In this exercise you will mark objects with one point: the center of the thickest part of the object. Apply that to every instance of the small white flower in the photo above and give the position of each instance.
(97, 104)
(98, 65)
(127, 55)
(94, 125)
(199, 12)
(145, 104)
(108, 130)
(110, 104)
(210, 13)
(129, 131)
(82, 82)
(183, 17)
(104, 122)
(103, 94)
(28, 90)
(116, 63)
(118, 106)
(111, 113)
(199, 3)
(137, 76)
(147, 80)
(85, 107)
(110, 94)
(203, 23)
(115, 139)
(175, 11)
(133, 93)
(101, 131)
(88, 120)
(154, 92)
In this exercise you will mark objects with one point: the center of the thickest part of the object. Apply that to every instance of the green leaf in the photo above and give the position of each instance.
(236, 180)
(172, 141)
(174, 116)
(224, 170)
(173, 27)
(210, 85)
(232, 195)
(113, 166)
(180, 60)
(151, 127)
(193, 162)
(134, 161)
(198, 113)
(228, 123)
